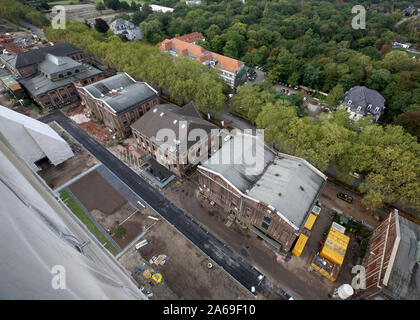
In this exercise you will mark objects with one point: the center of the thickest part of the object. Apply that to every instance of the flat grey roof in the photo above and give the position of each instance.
(40, 84)
(55, 64)
(404, 281)
(289, 184)
(128, 93)
(38, 55)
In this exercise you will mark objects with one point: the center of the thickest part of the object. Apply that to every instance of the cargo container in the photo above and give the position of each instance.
(300, 245)
(310, 221)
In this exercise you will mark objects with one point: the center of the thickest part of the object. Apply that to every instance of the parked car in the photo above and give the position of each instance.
(283, 90)
(296, 88)
(345, 197)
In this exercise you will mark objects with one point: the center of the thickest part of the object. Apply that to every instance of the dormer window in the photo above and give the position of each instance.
(369, 106)
(376, 109)
(349, 102)
(359, 108)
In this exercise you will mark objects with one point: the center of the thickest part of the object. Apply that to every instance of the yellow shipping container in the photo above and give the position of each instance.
(300, 245)
(335, 246)
(310, 222)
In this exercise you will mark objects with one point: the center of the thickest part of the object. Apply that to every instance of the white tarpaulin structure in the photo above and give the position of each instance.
(45, 251)
(32, 139)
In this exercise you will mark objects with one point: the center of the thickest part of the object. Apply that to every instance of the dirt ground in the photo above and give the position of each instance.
(56, 176)
(292, 276)
(92, 187)
(186, 270)
(27, 111)
(98, 131)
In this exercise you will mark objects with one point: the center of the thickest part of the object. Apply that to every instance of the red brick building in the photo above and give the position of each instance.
(392, 261)
(118, 101)
(273, 202)
(181, 121)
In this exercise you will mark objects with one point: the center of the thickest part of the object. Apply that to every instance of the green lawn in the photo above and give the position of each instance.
(75, 208)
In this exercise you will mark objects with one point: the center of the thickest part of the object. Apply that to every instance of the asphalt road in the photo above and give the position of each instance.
(233, 263)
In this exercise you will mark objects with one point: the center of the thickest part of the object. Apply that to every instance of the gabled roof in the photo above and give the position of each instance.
(288, 184)
(191, 37)
(121, 92)
(170, 116)
(36, 56)
(363, 97)
(200, 54)
(32, 139)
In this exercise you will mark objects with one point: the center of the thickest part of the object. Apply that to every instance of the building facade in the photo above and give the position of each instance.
(126, 28)
(181, 122)
(273, 203)
(118, 101)
(361, 102)
(27, 63)
(392, 261)
(232, 71)
(53, 85)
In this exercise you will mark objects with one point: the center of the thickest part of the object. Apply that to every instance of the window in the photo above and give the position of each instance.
(223, 198)
(233, 204)
(359, 108)
(349, 102)
(77, 70)
(266, 222)
(69, 73)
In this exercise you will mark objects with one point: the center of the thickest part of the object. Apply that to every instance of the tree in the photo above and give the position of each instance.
(101, 25)
(335, 96)
(312, 76)
(410, 121)
(100, 6)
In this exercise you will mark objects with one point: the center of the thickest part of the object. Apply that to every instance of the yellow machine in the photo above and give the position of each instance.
(157, 277)
(147, 274)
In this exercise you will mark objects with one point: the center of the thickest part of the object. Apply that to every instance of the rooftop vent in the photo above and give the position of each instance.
(154, 110)
(175, 121)
(301, 188)
(161, 114)
(183, 126)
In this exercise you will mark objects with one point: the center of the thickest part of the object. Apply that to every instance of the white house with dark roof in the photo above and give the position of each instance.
(126, 28)
(362, 102)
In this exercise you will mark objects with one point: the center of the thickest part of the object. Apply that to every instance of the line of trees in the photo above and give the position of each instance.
(186, 80)
(15, 11)
(306, 42)
(387, 158)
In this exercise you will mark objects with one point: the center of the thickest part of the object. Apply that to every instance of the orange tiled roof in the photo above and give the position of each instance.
(185, 48)
(191, 37)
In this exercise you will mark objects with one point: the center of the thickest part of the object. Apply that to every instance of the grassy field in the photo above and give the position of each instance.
(75, 208)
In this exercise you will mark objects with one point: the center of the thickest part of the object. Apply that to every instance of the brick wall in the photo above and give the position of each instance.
(247, 211)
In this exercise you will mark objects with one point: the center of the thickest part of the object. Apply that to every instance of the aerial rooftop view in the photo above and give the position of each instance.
(210, 150)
